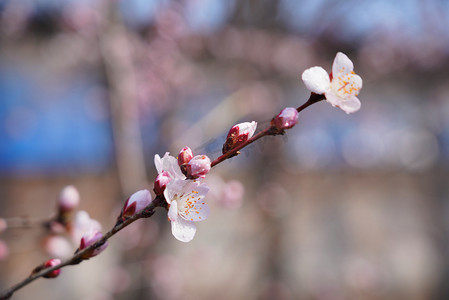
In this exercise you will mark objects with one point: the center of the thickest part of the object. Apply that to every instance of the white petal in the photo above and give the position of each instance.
(170, 164)
(158, 163)
(333, 99)
(142, 199)
(173, 211)
(316, 80)
(342, 65)
(247, 128)
(194, 210)
(350, 106)
(183, 230)
(175, 189)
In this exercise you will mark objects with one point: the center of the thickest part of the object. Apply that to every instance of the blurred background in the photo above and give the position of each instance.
(342, 207)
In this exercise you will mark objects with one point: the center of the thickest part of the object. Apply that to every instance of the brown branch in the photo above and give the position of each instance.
(271, 130)
(159, 201)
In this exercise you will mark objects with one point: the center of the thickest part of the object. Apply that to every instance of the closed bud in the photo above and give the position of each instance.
(239, 134)
(286, 119)
(184, 156)
(90, 238)
(51, 263)
(198, 166)
(138, 201)
(69, 199)
(161, 182)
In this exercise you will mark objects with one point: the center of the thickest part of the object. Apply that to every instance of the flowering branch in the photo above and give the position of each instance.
(178, 186)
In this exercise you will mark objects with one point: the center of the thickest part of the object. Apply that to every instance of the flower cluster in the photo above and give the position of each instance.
(179, 182)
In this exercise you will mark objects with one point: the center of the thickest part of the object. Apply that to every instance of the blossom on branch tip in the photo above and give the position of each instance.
(340, 88)
(239, 134)
(286, 119)
(186, 206)
(198, 166)
(136, 202)
(90, 238)
(51, 263)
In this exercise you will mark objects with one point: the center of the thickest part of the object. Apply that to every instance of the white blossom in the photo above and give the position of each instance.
(340, 88)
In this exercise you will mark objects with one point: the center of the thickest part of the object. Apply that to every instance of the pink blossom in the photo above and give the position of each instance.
(286, 119)
(69, 199)
(138, 201)
(340, 87)
(187, 206)
(161, 182)
(83, 223)
(198, 166)
(168, 164)
(239, 134)
(58, 246)
(90, 238)
(184, 156)
(51, 263)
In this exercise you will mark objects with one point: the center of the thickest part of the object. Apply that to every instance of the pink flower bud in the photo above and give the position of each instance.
(68, 199)
(161, 182)
(184, 156)
(239, 134)
(51, 263)
(286, 119)
(198, 166)
(90, 238)
(138, 201)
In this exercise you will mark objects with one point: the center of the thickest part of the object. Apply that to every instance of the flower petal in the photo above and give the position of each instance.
(173, 211)
(158, 163)
(194, 209)
(183, 230)
(316, 80)
(169, 164)
(342, 65)
(175, 189)
(350, 106)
